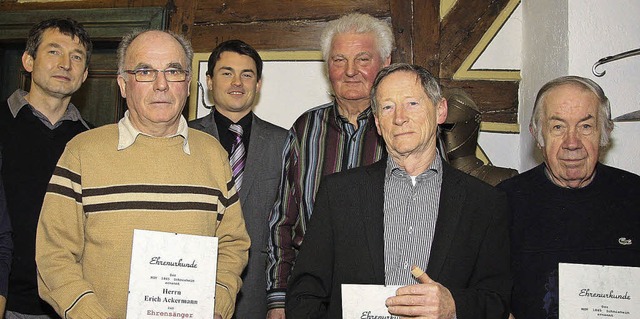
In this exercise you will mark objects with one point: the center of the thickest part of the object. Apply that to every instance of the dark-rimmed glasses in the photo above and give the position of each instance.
(150, 75)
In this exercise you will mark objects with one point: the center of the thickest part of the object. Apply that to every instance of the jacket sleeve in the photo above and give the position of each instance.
(285, 216)
(310, 286)
(489, 288)
(233, 247)
(60, 245)
(6, 245)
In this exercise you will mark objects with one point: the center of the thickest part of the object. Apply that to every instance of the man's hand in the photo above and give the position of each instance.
(428, 300)
(276, 313)
(217, 316)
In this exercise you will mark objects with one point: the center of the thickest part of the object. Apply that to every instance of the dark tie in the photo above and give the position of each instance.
(238, 155)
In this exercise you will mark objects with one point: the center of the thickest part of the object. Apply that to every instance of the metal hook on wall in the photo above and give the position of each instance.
(202, 92)
(611, 59)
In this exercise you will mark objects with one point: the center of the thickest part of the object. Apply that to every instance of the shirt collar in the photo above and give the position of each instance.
(394, 169)
(17, 101)
(364, 118)
(127, 133)
(245, 121)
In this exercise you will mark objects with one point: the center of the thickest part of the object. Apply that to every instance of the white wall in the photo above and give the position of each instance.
(545, 56)
(598, 29)
(563, 37)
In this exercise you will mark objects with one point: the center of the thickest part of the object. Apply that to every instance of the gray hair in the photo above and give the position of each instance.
(605, 124)
(128, 39)
(427, 80)
(358, 23)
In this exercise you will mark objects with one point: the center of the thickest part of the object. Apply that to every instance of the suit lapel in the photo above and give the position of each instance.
(452, 196)
(208, 125)
(372, 215)
(257, 146)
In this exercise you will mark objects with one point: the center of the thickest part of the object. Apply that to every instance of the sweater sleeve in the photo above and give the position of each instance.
(60, 245)
(233, 246)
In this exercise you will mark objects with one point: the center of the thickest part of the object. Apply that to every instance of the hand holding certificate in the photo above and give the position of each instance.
(172, 275)
(439, 301)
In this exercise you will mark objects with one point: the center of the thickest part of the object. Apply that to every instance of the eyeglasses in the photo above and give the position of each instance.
(150, 75)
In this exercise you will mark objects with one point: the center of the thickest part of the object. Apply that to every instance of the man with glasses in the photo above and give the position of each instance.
(149, 171)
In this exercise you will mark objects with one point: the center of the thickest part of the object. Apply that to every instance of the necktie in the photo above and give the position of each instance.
(238, 155)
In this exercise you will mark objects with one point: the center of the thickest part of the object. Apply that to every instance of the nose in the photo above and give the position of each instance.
(236, 80)
(399, 116)
(64, 62)
(160, 84)
(572, 140)
(351, 69)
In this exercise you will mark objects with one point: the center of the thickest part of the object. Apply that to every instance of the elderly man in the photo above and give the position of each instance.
(234, 77)
(371, 224)
(571, 208)
(150, 171)
(327, 139)
(35, 126)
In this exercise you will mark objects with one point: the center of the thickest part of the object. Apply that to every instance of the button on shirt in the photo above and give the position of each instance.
(410, 215)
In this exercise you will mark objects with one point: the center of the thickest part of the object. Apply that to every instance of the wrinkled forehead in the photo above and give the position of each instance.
(155, 49)
(570, 98)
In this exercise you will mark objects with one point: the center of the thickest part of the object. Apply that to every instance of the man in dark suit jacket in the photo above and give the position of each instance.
(234, 79)
(374, 224)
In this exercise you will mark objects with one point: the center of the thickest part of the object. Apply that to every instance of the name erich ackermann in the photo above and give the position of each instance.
(158, 261)
(170, 299)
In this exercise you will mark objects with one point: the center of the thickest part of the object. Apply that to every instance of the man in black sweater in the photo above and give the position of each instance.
(35, 126)
(571, 208)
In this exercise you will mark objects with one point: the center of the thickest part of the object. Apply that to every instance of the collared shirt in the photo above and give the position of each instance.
(225, 136)
(410, 215)
(127, 133)
(320, 142)
(17, 100)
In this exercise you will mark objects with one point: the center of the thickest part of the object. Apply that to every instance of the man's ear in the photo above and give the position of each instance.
(86, 73)
(375, 118)
(27, 62)
(209, 82)
(535, 137)
(123, 86)
(442, 110)
(258, 86)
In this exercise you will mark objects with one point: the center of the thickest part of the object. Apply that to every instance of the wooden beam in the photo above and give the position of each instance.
(224, 11)
(463, 28)
(286, 35)
(402, 22)
(497, 100)
(426, 35)
(181, 16)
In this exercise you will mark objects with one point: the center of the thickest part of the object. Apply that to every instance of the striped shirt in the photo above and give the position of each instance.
(410, 214)
(320, 142)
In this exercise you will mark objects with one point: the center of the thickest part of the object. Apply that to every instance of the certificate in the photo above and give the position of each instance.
(172, 275)
(366, 301)
(597, 291)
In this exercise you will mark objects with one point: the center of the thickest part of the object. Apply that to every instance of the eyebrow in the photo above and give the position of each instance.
(173, 65)
(58, 46)
(228, 68)
(586, 118)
